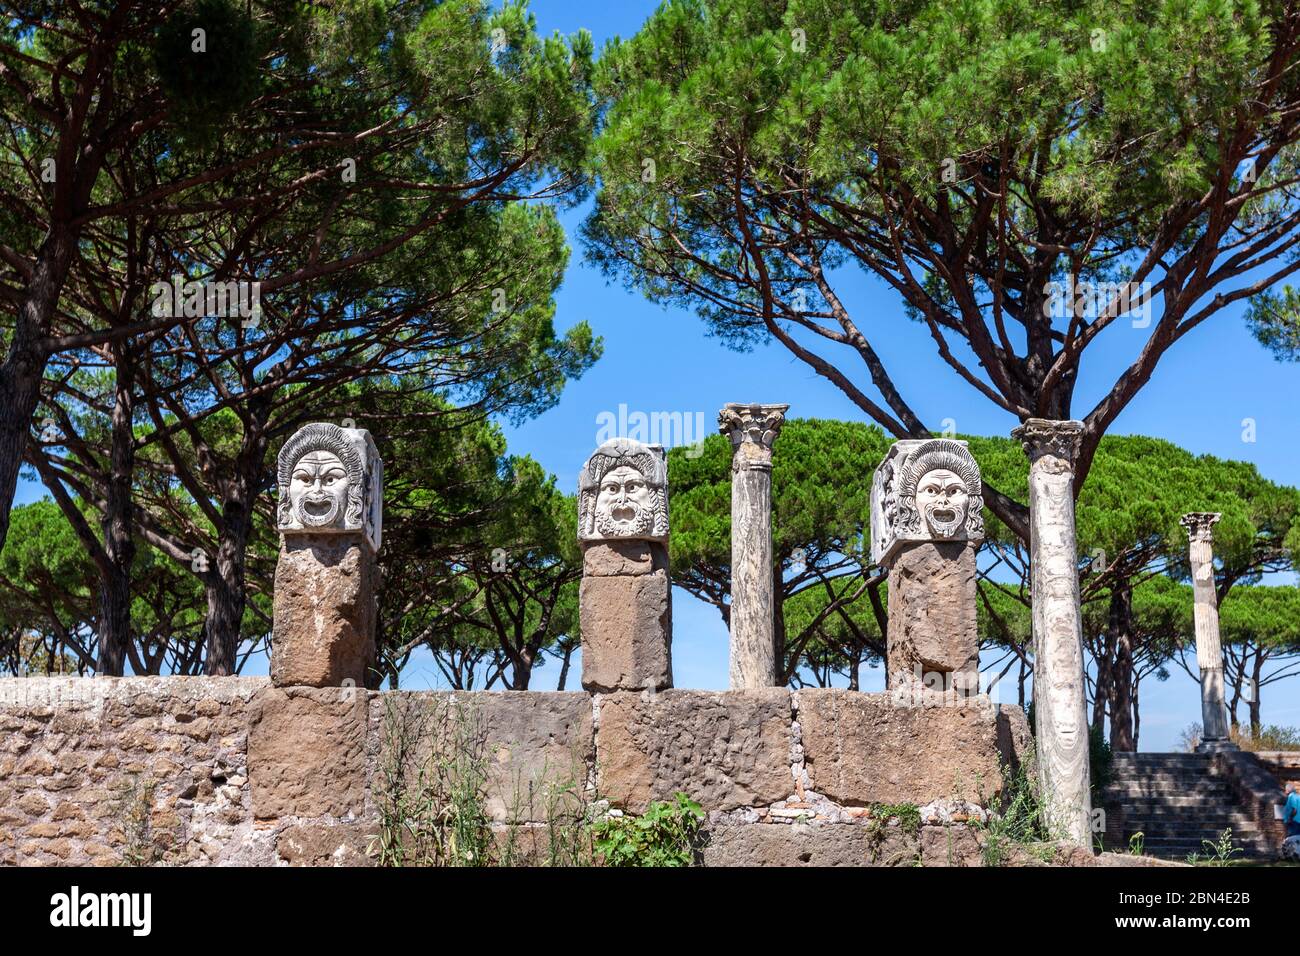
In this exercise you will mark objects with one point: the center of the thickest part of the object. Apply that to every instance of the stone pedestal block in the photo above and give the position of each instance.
(933, 639)
(616, 558)
(531, 744)
(725, 749)
(324, 630)
(625, 612)
(307, 752)
(867, 748)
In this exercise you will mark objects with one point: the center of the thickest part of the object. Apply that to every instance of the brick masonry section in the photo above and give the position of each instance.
(202, 771)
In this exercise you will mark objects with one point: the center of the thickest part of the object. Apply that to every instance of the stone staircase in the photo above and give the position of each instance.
(1177, 801)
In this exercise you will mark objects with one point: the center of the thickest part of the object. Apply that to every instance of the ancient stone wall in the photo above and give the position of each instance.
(127, 770)
(187, 770)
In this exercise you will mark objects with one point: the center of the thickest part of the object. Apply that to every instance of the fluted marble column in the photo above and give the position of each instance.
(1209, 651)
(752, 430)
(1060, 707)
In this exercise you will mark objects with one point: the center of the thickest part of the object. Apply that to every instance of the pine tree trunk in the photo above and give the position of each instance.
(118, 524)
(1121, 711)
(24, 365)
(1103, 691)
(225, 589)
(225, 594)
(1256, 671)
(564, 669)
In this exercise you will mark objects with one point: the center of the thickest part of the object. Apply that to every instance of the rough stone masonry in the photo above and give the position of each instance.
(210, 771)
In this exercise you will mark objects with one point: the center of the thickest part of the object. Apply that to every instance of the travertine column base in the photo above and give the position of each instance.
(933, 639)
(625, 612)
(325, 609)
(1214, 713)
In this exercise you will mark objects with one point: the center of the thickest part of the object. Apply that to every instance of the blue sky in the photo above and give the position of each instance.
(662, 360)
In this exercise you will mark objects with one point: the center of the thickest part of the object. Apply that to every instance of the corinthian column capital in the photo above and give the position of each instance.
(1200, 524)
(1050, 438)
(752, 429)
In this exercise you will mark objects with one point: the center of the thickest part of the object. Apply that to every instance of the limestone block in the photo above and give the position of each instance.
(307, 752)
(726, 749)
(626, 626)
(324, 629)
(932, 636)
(866, 748)
(803, 844)
(532, 745)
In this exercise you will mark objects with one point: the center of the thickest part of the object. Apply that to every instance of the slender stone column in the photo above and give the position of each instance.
(752, 430)
(1060, 707)
(1209, 652)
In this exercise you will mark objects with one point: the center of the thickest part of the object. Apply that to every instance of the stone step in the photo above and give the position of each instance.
(1168, 779)
(1171, 771)
(1131, 826)
(1189, 832)
(1159, 828)
(1195, 840)
(1172, 801)
(1180, 854)
(1203, 785)
(1166, 806)
(1176, 816)
(1144, 756)
(1181, 848)
(1152, 829)
(1180, 851)
(1210, 792)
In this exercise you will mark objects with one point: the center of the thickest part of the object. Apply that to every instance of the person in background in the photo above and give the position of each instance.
(1291, 810)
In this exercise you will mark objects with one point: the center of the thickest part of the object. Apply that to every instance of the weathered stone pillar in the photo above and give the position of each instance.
(752, 430)
(625, 600)
(329, 516)
(926, 525)
(1209, 652)
(1060, 708)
